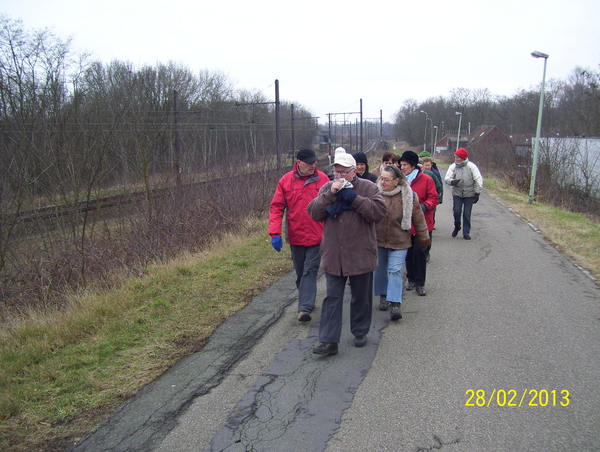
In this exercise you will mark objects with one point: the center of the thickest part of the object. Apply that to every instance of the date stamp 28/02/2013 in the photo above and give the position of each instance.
(521, 398)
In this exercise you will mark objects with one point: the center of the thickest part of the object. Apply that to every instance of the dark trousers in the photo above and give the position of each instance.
(361, 306)
(463, 206)
(306, 263)
(416, 263)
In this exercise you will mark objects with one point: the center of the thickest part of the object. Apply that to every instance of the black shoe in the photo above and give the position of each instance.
(326, 348)
(455, 232)
(467, 237)
(410, 286)
(304, 316)
(360, 341)
(395, 313)
(421, 291)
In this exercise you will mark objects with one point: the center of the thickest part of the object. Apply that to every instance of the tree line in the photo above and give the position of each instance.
(73, 130)
(571, 109)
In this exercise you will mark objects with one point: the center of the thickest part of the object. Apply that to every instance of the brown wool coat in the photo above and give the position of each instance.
(349, 244)
(389, 233)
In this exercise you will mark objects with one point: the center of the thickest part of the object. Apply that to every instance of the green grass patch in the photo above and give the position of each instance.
(63, 373)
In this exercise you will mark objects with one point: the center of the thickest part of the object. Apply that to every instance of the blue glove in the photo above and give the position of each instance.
(347, 195)
(277, 242)
(424, 207)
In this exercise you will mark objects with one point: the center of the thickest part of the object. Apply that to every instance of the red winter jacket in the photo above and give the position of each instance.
(292, 195)
(424, 186)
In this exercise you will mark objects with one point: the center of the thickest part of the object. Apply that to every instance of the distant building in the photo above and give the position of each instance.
(523, 143)
(580, 154)
(487, 143)
(447, 144)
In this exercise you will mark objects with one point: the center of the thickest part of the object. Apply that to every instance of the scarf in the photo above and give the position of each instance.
(411, 177)
(407, 201)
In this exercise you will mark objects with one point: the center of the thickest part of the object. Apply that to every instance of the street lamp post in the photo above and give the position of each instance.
(433, 147)
(459, 114)
(425, 137)
(536, 146)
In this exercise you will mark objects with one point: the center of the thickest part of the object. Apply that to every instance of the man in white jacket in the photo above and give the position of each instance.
(466, 182)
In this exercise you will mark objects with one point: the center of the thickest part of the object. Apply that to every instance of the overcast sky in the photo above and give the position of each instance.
(329, 54)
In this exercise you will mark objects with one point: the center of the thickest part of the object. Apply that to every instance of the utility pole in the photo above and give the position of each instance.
(177, 140)
(277, 121)
(277, 125)
(361, 127)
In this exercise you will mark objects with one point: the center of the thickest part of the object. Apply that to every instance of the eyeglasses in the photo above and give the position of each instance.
(388, 180)
(342, 173)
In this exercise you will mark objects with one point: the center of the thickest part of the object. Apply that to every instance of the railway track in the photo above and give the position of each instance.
(44, 214)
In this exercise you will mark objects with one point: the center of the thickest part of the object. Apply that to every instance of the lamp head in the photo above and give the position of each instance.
(537, 54)
(458, 113)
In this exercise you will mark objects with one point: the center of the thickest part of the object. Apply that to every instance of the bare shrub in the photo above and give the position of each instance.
(171, 222)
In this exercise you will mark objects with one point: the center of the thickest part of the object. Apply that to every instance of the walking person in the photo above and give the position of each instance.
(394, 237)
(427, 168)
(329, 168)
(424, 186)
(386, 159)
(466, 182)
(362, 167)
(350, 207)
(293, 193)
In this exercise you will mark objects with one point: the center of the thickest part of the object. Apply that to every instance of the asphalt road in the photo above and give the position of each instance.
(503, 354)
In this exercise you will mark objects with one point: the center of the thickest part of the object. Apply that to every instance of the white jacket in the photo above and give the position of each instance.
(470, 180)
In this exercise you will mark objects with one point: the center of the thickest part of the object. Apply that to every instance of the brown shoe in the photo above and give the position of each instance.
(410, 286)
(420, 290)
(304, 316)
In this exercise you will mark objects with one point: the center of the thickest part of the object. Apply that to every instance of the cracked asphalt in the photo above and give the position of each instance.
(505, 313)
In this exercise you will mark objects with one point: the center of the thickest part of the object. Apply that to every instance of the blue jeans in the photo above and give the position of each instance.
(388, 275)
(457, 205)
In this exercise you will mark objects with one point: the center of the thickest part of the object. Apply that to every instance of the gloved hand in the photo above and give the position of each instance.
(423, 207)
(347, 195)
(475, 198)
(423, 244)
(454, 182)
(277, 243)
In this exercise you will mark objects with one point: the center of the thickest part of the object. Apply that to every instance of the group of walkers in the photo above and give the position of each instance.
(361, 227)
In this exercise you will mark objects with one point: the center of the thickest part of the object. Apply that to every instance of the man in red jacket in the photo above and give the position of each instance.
(424, 186)
(292, 195)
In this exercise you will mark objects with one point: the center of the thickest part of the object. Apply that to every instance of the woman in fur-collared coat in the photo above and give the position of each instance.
(394, 237)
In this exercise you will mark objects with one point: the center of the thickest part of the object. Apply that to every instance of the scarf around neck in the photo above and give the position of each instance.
(407, 202)
(412, 176)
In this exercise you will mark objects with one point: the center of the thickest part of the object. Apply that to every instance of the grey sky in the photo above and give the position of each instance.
(329, 54)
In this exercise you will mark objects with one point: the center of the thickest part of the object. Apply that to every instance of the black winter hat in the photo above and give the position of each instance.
(307, 155)
(410, 157)
(361, 157)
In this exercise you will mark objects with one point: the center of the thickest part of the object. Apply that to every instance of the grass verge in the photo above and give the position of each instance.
(64, 372)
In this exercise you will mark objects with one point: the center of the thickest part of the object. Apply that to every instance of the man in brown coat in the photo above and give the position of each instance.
(350, 208)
